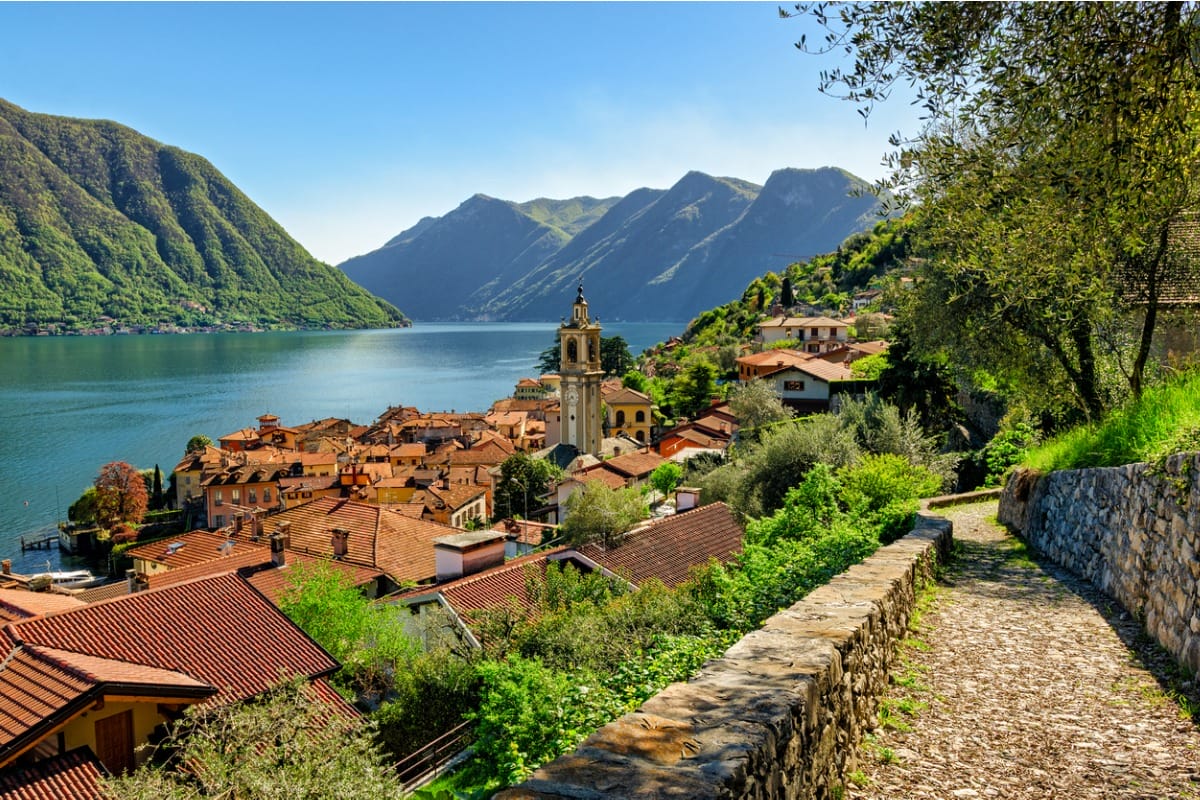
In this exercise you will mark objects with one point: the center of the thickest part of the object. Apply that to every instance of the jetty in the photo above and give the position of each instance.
(39, 542)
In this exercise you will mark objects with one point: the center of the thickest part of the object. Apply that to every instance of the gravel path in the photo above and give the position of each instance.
(1020, 682)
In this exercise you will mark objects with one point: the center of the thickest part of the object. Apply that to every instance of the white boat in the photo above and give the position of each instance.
(66, 579)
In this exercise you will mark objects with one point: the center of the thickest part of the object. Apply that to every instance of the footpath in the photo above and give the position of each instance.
(1023, 682)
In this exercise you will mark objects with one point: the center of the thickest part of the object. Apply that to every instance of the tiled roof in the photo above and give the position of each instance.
(635, 465)
(488, 589)
(780, 356)
(601, 473)
(216, 638)
(627, 396)
(74, 775)
(456, 496)
(523, 530)
(416, 450)
(218, 631)
(195, 547)
(256, 567)
(18, 604)
(667, 549)
(379, 537)
(802, 322)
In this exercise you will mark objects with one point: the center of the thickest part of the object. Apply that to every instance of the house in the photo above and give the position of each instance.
(453, 505)
(863, 299)
(298, 490)
(407, 455)
(852, 351)
(190, 471)
(629, 413)
(809, 387)
(529, 389)
(272, 433)
(812, 334)
(618, 472)
(241, 488)
(106, 676)
(756, 365)
(552, 382)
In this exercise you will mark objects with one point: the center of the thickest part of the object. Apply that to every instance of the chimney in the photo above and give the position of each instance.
(237, 524)
(278, 553)
(339, 541)
(256, 526)
(136, 581)
(686, 498)
(6, 566)
(463, 554)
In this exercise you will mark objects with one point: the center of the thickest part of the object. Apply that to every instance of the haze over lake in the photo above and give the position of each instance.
(70, 404)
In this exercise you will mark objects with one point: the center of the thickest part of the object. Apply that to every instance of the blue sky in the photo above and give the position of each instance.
(348, 122)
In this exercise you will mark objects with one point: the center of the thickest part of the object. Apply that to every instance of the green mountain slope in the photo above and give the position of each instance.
(97, 220)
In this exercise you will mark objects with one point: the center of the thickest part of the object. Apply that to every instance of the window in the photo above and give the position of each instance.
(640, 416)
(252, 495)
(621, 417)
(218, 498)
(793, 386)
(266, 494)
(235, 496)
(641, 436)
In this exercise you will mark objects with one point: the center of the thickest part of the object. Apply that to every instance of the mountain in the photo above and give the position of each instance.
(97, 220)
(651, 255)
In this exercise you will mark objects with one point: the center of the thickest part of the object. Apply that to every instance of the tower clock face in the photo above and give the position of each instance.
(572, 396)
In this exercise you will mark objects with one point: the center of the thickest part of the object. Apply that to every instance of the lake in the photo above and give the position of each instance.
(71, 404)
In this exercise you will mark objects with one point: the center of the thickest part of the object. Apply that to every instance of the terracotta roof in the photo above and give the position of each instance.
(243, 435)
(18, 604)
(629, 396)
(416, 450)
(254, 564)
(74, 775)
(106, 592)
(610, 478)
(802, 322)
(488, 589)
(635, 465)
(379, 537)
(195, 547)
(215, 638)
(456, 496)
(667, 549)
(780, 356)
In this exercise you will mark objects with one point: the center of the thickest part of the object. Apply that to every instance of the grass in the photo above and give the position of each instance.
(1165, 420)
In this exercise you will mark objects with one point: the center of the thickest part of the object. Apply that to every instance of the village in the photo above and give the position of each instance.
(405, 509)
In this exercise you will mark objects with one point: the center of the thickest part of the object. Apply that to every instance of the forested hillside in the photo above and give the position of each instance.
(99, 221)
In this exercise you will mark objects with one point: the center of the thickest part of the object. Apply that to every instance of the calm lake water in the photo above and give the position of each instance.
(70, 404)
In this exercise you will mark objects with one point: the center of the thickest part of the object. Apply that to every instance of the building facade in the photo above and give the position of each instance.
(580, 373)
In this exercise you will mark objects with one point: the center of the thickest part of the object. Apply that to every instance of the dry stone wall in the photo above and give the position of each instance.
(780, 715)
(1132, 531)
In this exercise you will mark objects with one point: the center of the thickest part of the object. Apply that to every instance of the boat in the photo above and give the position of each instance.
(65, 579)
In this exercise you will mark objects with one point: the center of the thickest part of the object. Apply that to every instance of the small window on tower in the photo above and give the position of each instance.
(572, 351)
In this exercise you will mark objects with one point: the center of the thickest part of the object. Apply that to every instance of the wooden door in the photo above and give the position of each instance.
(114, 742)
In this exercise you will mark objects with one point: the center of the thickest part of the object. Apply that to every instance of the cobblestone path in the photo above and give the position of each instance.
(1020, 681)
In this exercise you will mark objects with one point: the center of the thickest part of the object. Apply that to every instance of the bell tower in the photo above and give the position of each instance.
(579, 343)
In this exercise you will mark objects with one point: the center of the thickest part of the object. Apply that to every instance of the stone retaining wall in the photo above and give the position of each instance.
(1132, 531)
(780, 715)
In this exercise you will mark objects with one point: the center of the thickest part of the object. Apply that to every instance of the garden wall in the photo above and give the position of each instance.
(781, 714)
(1132, 531)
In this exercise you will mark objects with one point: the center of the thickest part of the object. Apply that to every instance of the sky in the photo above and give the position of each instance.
(349, 122)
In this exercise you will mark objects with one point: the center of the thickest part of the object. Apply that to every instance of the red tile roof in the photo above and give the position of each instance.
(196, 547)
(72, 776)
(18, 604)
(379, 537)
(667, 549)
(635, 465)
(216, 637)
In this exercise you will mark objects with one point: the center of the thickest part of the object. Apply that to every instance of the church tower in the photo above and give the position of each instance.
(579, 343)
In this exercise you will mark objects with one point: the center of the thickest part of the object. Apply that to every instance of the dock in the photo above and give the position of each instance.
(39, 543)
